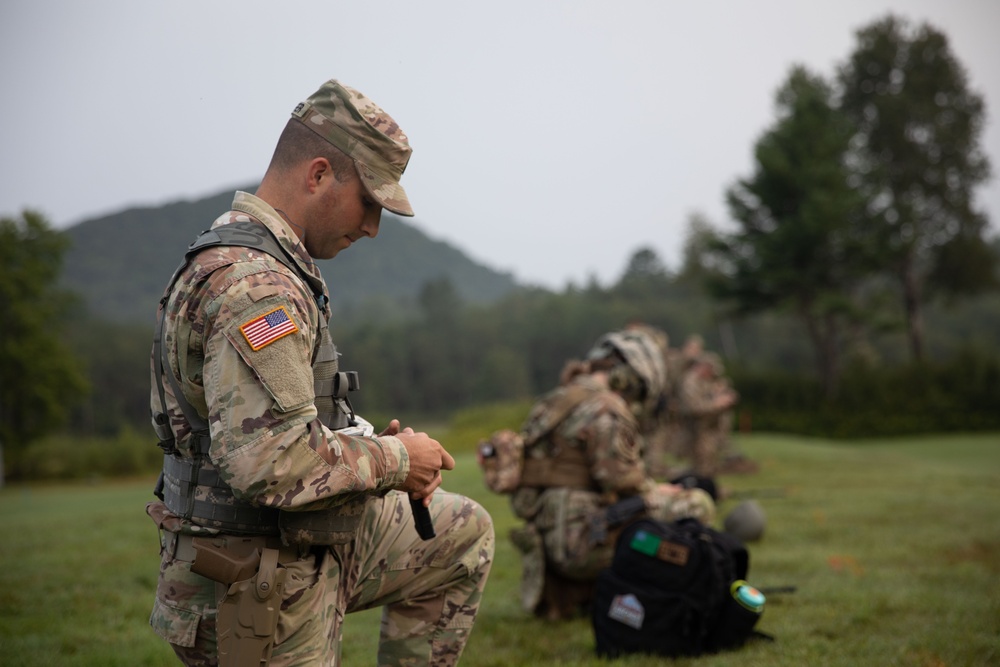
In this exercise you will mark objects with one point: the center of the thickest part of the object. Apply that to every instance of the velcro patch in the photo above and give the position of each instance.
(267, 328)
(628, 610)
(671, 552)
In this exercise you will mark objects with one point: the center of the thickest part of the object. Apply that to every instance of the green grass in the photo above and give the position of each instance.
(893, 545)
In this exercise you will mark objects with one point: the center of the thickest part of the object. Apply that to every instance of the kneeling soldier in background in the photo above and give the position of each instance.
(576, 475)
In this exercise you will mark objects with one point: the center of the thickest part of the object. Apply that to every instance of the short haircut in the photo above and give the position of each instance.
(298, 144)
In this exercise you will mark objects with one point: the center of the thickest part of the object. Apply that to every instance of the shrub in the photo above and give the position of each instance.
(63, 457)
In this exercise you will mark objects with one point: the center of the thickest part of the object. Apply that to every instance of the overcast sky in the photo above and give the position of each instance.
(551, 139)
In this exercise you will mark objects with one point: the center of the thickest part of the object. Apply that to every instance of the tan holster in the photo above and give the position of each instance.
(248, 611)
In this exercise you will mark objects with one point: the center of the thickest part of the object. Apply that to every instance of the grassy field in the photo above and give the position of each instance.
(893, 545)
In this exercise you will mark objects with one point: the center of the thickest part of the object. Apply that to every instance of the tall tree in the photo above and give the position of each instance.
(645, 274)
(39, 379)
(917, 150)
(695, 252)
(798, 246)
(644, 263)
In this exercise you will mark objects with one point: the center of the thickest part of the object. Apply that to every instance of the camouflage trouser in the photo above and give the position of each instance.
(656, 450)
(699, 444)
(430, 590)
(706, 448)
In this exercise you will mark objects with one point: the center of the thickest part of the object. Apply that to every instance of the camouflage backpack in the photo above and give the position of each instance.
(502, 459)
(502, 455)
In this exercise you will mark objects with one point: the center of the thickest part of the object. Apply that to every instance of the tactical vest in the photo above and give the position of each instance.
(190, 486)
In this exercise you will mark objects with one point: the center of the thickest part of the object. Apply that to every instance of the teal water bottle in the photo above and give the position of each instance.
(739, 616)
(747, 596)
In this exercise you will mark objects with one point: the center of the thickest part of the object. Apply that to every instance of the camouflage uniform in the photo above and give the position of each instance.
(270, 448)
(657, 426)
(598, 434)
(705, 403)
(675, 434)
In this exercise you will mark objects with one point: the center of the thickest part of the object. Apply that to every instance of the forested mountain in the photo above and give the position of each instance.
(120, 263)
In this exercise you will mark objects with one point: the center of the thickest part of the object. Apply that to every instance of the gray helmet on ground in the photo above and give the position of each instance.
(642, 353)
(746, 521)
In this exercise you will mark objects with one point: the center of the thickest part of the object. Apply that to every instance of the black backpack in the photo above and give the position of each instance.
(674, 589)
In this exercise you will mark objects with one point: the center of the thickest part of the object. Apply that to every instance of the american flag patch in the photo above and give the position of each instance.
(268, 328)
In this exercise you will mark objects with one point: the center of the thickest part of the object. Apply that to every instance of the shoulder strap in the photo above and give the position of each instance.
(253, 234)
(558, 407)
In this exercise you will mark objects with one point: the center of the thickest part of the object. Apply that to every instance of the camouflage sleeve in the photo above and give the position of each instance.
(613, 451)
(696, 398)
(267, 442)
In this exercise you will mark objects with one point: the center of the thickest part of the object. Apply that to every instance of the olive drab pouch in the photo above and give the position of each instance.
(502, 459)
(336, 525)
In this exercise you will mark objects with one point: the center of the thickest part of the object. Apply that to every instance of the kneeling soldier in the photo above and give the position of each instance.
(576, 475)
(280, 511)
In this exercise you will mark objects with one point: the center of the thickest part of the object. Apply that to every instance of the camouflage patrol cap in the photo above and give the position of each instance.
(362, 130)
(643, 355)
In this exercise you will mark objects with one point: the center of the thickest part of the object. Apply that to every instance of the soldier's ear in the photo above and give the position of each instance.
(319, 174)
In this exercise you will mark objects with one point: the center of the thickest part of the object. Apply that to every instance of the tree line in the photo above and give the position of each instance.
(64, 370)
(855, 236)
(862, 197)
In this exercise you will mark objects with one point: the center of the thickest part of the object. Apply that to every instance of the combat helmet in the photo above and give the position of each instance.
(643, 356)
(746, 521)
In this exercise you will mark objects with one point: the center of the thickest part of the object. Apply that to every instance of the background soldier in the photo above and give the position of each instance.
(704, 400)
(728, 457)
(655, 427)
(685, 424)
(582, 474)
(280, 511)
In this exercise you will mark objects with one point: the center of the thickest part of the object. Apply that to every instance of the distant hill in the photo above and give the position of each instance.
(120, 263)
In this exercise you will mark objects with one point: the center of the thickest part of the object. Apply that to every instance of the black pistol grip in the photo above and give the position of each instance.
(422, 520)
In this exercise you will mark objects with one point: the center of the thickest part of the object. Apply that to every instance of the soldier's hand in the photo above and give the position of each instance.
(726, 400)
(393, 428)
(427, 459)
(668, 489)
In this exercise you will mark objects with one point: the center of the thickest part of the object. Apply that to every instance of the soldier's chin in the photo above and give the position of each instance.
(332, 251)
